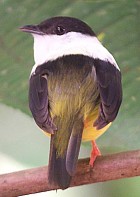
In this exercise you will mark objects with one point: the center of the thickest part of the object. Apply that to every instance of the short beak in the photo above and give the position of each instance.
(33, 29)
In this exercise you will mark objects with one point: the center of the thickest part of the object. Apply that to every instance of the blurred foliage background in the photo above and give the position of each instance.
(22, 145)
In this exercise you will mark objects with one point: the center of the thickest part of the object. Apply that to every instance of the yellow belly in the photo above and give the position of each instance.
(90, 132)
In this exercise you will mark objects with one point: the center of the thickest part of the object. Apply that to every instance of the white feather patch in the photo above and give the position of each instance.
(51, 47)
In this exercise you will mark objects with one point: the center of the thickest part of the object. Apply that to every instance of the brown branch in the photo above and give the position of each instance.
(109, 167)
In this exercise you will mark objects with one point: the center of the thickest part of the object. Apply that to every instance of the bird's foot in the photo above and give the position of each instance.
(94, 153)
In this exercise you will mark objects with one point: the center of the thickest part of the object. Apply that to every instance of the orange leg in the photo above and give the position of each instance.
(94, 153)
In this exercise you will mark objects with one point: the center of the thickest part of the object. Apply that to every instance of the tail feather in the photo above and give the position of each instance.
(62, 167)
(74, 147)
(57, 173)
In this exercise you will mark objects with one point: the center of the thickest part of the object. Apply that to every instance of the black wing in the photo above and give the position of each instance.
(38, 100)
(110, 89)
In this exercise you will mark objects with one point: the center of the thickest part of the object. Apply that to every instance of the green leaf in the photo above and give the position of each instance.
(117, 25)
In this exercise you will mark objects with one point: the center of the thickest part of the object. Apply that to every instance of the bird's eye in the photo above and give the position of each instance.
(60, 30)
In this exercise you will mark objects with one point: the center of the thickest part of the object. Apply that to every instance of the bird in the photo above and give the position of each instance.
(75, 91)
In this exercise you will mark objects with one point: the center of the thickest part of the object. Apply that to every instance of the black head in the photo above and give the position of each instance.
(59, 26)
